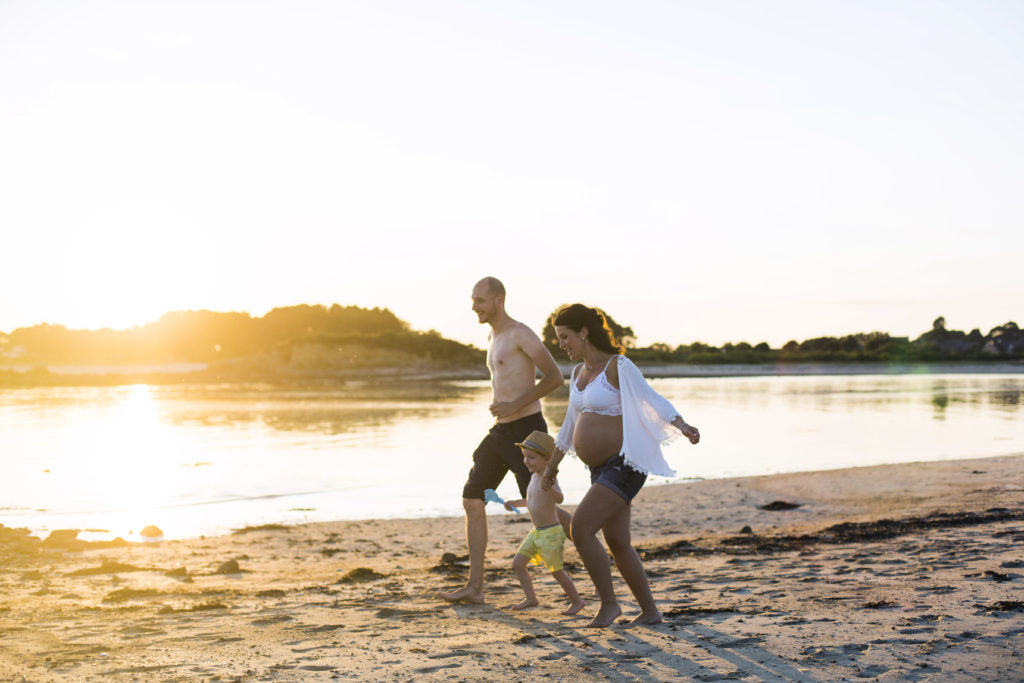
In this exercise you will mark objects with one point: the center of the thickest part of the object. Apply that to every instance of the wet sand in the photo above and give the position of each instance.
(901, 572)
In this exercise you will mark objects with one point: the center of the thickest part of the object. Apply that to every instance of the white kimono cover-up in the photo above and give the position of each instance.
(646, 423)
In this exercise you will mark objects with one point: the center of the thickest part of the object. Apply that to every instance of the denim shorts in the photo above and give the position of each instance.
(615, 474)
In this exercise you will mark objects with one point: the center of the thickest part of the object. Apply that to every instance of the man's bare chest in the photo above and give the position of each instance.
(503, 357)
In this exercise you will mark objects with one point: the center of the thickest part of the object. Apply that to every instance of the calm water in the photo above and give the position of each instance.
(205, 460)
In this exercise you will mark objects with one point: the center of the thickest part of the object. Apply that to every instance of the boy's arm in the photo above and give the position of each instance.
(510, 505)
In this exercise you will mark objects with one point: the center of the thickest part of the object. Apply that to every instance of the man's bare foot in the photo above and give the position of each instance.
(464, 594)
(526, 603)
(606, 616)
(647, 619)
(574, 608)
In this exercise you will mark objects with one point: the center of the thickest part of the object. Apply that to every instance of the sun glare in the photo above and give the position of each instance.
(136, 471)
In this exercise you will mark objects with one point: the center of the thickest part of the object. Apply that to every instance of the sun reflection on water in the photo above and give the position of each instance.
(125, 457)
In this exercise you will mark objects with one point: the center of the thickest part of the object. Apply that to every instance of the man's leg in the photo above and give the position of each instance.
(486, 473)
(476, 540)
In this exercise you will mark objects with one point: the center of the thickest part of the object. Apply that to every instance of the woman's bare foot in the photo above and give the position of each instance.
(647, 619)
(574, 607)
(464, 594)
(606, 616)
(526, 603)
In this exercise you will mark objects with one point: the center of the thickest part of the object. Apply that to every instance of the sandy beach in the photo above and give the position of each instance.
(900, 572)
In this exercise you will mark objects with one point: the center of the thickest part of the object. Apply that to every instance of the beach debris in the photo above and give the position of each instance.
(18, 540)
(62, 538)
(779, 505)
(997, 576)
(701, 611)
(124, 594)
(879, 604)
(179, 573)
(393, 612)
(450, 563)
(107, 567)
(262, 527)
(201, 607)
(746, 530)
(678, 548)
(361, 575)
(229, 567)
(1004, 606)
(66, 539)
(151, 532)
(450, 559)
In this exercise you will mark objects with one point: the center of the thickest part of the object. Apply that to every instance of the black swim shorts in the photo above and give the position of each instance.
(619, 477)
(498, 453)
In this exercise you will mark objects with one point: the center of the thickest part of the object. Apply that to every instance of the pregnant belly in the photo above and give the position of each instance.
(597, 437)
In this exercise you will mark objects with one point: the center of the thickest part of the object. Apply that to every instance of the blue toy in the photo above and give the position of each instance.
(491, 496)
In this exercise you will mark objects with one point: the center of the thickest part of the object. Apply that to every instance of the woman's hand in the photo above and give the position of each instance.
(690, 432)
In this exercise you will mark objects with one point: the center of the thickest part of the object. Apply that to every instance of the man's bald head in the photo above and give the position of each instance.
(493, 285)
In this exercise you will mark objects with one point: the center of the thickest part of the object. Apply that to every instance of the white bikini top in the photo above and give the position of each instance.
(647, 417)
(599, 396)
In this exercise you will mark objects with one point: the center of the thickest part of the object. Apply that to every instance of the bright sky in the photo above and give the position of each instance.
(718, 171)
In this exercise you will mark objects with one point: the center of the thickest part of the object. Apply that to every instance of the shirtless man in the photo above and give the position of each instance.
(514, 356)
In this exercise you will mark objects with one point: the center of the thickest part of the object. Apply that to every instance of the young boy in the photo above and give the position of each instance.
(546, 541)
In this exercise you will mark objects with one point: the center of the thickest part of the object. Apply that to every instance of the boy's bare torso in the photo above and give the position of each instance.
(541, 503)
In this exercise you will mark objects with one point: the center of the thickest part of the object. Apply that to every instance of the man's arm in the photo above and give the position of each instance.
(551, 377)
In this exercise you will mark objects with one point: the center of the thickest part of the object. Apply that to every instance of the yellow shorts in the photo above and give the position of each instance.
(545, 545)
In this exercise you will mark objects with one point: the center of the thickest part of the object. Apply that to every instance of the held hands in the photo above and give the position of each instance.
(547, 480)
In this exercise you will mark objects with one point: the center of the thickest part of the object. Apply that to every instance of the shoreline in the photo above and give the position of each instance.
(104, 538)
(30, 377)
(886, 572)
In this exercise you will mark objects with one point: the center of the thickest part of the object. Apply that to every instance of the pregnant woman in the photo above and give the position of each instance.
(616, 424)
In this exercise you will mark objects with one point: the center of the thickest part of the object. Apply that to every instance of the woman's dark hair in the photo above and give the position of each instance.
(578, 317)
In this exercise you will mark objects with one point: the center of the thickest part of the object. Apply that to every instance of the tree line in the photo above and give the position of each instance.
(1004, 342)
(317, 335)
(209, 337)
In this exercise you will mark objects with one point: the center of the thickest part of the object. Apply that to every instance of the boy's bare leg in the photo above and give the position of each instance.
(476, 539)
(521, 565)
(575, 601)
